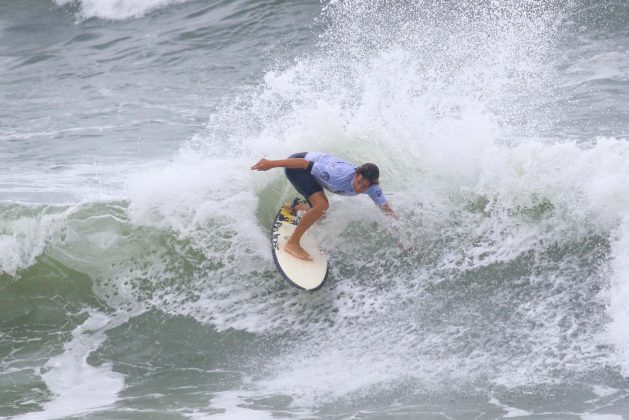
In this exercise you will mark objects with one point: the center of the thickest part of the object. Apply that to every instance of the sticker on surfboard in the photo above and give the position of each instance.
(306, 275)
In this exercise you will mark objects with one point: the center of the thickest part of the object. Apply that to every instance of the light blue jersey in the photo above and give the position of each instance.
(337, 176)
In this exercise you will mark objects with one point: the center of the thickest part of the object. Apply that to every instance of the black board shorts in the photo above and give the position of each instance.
(302, 180)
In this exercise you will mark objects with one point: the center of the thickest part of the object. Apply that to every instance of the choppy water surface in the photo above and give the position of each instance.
(136, 279)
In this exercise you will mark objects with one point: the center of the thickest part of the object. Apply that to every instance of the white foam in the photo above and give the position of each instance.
(234, 406)
(118, 9)
(25, 238)
(79, 387)
(618, 296)
(68, 184)
(191, 193)
(512, 412)
(604, 391)
(597, 416)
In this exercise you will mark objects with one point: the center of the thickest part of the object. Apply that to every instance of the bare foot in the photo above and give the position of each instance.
(302, 207)
(298, 207)
(297, 251)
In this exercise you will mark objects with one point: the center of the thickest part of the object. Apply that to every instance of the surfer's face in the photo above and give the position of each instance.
(361, 184)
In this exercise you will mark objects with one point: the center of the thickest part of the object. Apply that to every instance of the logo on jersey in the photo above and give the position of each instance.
(325, 176)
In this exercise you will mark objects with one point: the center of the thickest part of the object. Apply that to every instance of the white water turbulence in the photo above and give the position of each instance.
(518, 238)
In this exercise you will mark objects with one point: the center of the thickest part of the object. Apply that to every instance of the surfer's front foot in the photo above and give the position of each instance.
(297, 207)
(302, 207)
(297, 251)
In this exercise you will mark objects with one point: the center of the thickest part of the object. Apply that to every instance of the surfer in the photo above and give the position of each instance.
(310, 173)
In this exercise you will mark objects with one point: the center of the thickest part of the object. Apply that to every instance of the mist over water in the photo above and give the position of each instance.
(134, 238)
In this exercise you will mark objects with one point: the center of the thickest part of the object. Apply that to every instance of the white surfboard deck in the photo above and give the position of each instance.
(306, 275)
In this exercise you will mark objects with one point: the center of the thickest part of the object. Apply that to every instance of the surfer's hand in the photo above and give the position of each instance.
(262, 165)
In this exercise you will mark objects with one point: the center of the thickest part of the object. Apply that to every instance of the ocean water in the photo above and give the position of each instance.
(136, 279)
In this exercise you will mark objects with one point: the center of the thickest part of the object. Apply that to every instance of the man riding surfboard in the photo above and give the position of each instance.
(311, 173)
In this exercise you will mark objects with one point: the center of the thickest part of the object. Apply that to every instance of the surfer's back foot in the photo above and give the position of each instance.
(297, 251)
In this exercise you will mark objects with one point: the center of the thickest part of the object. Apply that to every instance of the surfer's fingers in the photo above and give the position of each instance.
(259, 165)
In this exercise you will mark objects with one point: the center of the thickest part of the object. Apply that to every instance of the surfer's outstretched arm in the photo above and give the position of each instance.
(293, 163)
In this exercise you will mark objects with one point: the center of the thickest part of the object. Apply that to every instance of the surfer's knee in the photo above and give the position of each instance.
(323, 206)
(319, 202)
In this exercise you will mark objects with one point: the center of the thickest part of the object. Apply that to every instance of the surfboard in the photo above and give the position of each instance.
(306, 275)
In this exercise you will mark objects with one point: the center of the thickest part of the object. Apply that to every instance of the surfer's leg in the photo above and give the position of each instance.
(307, 186)
(319, 203)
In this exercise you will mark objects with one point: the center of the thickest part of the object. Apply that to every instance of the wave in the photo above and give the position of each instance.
(515, 267)
(519, 239)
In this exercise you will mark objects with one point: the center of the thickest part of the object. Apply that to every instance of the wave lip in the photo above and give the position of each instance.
(24, 236)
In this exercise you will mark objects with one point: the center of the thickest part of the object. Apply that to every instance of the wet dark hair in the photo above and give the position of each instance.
(370, 172)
